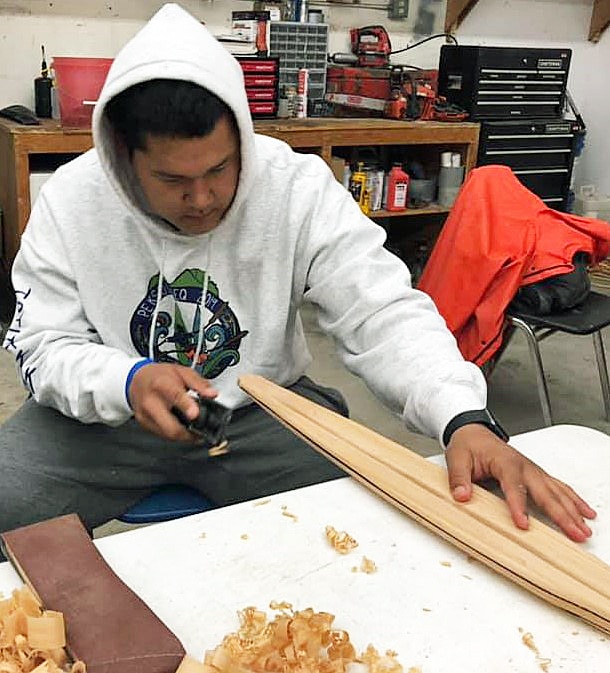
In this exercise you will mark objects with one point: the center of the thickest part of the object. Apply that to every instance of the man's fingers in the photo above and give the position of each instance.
(515, 491)
(155, 417)
(563, 506)
(193, 381)
(459, 467)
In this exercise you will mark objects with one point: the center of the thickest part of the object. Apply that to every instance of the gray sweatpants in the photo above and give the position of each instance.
(52, 465)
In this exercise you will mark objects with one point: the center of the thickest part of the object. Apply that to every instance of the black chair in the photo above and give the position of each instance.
(590, 317)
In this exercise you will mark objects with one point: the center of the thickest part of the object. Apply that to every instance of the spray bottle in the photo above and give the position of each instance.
(42, 90)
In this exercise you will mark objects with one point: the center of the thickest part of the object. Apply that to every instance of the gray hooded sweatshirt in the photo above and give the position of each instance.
(95, 271)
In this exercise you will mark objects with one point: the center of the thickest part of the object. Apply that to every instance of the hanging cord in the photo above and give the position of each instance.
(153, 324)
(426, 39)
(204, 292)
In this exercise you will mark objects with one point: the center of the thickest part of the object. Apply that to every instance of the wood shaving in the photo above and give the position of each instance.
(262, 502)
(368, 566)
(219, 449)
(285, 512)
(245, 536)
(341, 542)
(447, 564)
(32, 639)
(528, 641)
(293, 642)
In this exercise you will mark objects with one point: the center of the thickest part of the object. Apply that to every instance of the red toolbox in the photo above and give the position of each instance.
(261, 79)
(367, 82)
(370, 82)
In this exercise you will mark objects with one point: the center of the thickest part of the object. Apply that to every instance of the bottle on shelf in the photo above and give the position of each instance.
(42, 90)
(359, 189)
(398, 188)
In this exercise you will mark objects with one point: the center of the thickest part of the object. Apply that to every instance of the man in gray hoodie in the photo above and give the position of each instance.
(174, 257)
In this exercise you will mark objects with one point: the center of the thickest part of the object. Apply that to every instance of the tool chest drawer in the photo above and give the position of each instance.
(261, 79)
(551, 184)
(505, 82)
(540, 152)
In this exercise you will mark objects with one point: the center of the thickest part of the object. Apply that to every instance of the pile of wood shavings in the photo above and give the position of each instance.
(32, 640)
(342, 542)
(294, 642)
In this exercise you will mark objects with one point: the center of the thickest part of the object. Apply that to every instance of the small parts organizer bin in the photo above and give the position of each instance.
(300, 45)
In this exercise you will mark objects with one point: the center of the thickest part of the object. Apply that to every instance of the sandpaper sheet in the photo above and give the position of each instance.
(107, 625)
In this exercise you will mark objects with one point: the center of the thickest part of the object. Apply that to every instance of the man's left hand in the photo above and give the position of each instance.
(475, 453)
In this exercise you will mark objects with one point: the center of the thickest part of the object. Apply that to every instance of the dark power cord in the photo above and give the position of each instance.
(427, 39)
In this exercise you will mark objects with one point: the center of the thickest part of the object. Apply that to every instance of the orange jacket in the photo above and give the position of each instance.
(499, 236)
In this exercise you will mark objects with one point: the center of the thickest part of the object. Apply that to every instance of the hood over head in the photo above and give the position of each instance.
(172, 45)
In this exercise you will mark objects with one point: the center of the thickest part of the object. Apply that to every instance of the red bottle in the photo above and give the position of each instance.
(398, 187)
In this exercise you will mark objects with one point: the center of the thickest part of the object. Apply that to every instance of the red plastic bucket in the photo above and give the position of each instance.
(79, 82)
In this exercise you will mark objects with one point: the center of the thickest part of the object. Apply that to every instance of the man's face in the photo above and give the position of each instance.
(190, 182)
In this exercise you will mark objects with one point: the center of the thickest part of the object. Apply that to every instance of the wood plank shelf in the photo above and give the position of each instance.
(21, 146)
(430, 209)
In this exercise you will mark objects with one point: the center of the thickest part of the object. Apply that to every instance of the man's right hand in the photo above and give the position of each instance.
(158, 387)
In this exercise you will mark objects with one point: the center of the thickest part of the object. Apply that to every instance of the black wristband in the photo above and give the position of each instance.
(480, 416)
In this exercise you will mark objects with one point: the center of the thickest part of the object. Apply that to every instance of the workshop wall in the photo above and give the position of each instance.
(100, 28)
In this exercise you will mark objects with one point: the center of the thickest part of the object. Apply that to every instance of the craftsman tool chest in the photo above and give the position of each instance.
(540, 152)
(261, 78)
(505, 82)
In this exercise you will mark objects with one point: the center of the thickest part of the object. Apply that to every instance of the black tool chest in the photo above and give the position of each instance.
(518, 95)
(505, 82)
(540, 152)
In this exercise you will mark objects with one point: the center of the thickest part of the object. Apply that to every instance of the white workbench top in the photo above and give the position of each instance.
(427, 601)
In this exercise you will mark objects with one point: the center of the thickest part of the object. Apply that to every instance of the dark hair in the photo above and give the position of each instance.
(165, 107)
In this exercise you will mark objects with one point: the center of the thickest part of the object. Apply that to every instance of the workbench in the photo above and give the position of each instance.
(439, 610)
(23, 148)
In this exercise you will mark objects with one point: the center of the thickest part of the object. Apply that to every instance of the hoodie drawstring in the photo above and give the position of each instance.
(153, 324)
(204, 292)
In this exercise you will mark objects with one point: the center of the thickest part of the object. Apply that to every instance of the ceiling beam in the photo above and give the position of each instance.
(600, 19)
(457, 10)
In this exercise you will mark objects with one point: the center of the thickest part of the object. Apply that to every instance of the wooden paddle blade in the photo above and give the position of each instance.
(540, 559)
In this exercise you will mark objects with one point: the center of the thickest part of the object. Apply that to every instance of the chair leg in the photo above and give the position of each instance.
(543, 392)
(602, 366)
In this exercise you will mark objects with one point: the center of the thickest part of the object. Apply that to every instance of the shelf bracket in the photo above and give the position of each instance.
(600, 19)
(456, 12)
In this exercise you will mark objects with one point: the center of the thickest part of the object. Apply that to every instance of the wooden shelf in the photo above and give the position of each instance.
(431, 209)
(19, 146)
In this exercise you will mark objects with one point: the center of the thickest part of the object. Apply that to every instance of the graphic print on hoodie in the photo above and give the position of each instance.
(187, 329)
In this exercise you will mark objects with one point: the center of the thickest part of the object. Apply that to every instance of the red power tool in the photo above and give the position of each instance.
(372, 46)
(415, 98)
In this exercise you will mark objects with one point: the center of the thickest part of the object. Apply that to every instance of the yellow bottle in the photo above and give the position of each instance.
(357, 187)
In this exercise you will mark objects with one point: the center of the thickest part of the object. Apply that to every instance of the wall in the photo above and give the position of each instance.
(96, 28)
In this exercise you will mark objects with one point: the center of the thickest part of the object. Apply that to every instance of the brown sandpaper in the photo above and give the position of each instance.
(107, 625)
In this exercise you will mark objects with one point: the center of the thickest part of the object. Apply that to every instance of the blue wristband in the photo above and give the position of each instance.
(132, 373)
